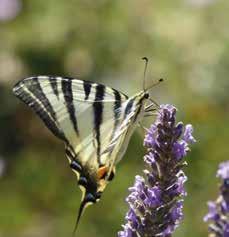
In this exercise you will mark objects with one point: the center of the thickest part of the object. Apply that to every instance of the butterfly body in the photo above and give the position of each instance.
(95, 123)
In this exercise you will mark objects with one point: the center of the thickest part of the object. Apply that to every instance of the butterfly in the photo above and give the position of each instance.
(94, 121)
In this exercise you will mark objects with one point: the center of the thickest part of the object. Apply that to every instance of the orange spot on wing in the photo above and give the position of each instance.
(102, 172)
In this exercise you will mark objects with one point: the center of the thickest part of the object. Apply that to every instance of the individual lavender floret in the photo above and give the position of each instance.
(156, 201)
(218, 213)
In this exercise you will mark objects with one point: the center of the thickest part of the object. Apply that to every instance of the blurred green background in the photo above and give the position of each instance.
(187, 42)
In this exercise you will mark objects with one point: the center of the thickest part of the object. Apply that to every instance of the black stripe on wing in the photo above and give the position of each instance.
(40, 104)
(36, 89)
(54, 85)
(98, 115)
(117, 105)
(87, 89)
(139, 105)
(117, 111)
(68, 96)
(128, 108)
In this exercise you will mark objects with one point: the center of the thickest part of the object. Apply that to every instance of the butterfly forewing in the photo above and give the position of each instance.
(83, 114)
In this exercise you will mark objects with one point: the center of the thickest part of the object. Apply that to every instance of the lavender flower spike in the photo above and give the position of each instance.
(219, 210)
(156, 201)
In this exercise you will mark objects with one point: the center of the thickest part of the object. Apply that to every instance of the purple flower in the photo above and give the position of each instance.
(156, 200)
(218, 211)
(223, 171)
(213, 213)
(188, 134)
(226, 230)
(9, 9)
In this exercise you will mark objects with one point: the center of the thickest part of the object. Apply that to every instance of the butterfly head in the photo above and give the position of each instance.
(140, 98)
(146, 94)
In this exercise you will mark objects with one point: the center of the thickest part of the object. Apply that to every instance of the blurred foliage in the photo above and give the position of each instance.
(187, 42)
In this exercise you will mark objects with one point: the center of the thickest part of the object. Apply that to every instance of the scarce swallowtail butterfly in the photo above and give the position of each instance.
(94, 121)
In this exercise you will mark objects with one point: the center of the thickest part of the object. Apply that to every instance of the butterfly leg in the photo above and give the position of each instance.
(152, 107)
(149, 107)
(155, 103)
(144, 128)
(150, 114)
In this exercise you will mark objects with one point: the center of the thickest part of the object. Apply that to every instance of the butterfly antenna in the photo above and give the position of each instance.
(81, 209)
(155, 84)
(153, 101)
(144, 76)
